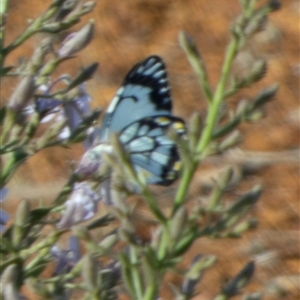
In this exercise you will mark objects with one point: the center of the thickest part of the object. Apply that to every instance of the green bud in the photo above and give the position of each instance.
(87, 7)
(82, 233)
(11, 162)
(127, 235)
(188, 44)
(242, 227)
(195, 128)
(156, 238)
(196, 61)
(255, 116)
(195, 272)
(239, 281)
(255, 24)
(242, 107)
(246, 201)
(254, 296)
(85, 74)
(66, 8)
(21, 222)
(258, 71)
(8, 287)
(49, 68)
(52, 133)
(186, 241)
(90, 272)
(225, 178)
(77, 41)
(282, 285)
(81, 9)
(265, 95)
(23, 93)
(274, 5)
(230, 141)
(38, 56)
(108, 242)
(178, 225)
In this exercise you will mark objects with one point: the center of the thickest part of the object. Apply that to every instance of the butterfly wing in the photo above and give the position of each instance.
(151, 151)
(144, 93)
(141, 113)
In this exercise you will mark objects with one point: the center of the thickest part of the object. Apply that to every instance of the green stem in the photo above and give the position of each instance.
(150, 292)
(153, 205)
(164, 243)
(3, 7)
(31, 30)
(3, 12)
(211, 119)
(184, 185)
(136, 276)
(218, 96)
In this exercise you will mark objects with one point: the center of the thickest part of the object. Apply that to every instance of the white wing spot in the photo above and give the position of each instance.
(152, 69)
(159, 74)
(143, 130)
(140, 69)
(160, 158)
(150, 62)
(163, 90)
(164, 141)
(129, 133)
(156, 132)
(115, 100)
(141, 144)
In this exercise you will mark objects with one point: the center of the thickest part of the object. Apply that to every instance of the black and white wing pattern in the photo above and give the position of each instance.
(141, 113)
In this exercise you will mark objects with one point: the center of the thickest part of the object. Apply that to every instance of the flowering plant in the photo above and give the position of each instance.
(120, 258)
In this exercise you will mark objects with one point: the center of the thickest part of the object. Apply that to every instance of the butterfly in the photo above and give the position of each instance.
(140, 114)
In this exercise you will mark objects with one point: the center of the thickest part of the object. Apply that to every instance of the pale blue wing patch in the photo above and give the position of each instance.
(144, 93)
(129, 133)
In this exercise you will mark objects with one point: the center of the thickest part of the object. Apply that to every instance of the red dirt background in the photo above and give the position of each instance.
(127, 32)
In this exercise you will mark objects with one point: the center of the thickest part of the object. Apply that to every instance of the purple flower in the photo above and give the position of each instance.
(81, 206)
(75, 110)
(4, 216)
(66, 259)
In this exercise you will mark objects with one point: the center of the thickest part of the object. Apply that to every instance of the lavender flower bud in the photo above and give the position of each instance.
(22, 94)
(91, 161)
(66, 259)
(81, 206)
(4, 217)
(8, 286)
(77, 41)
